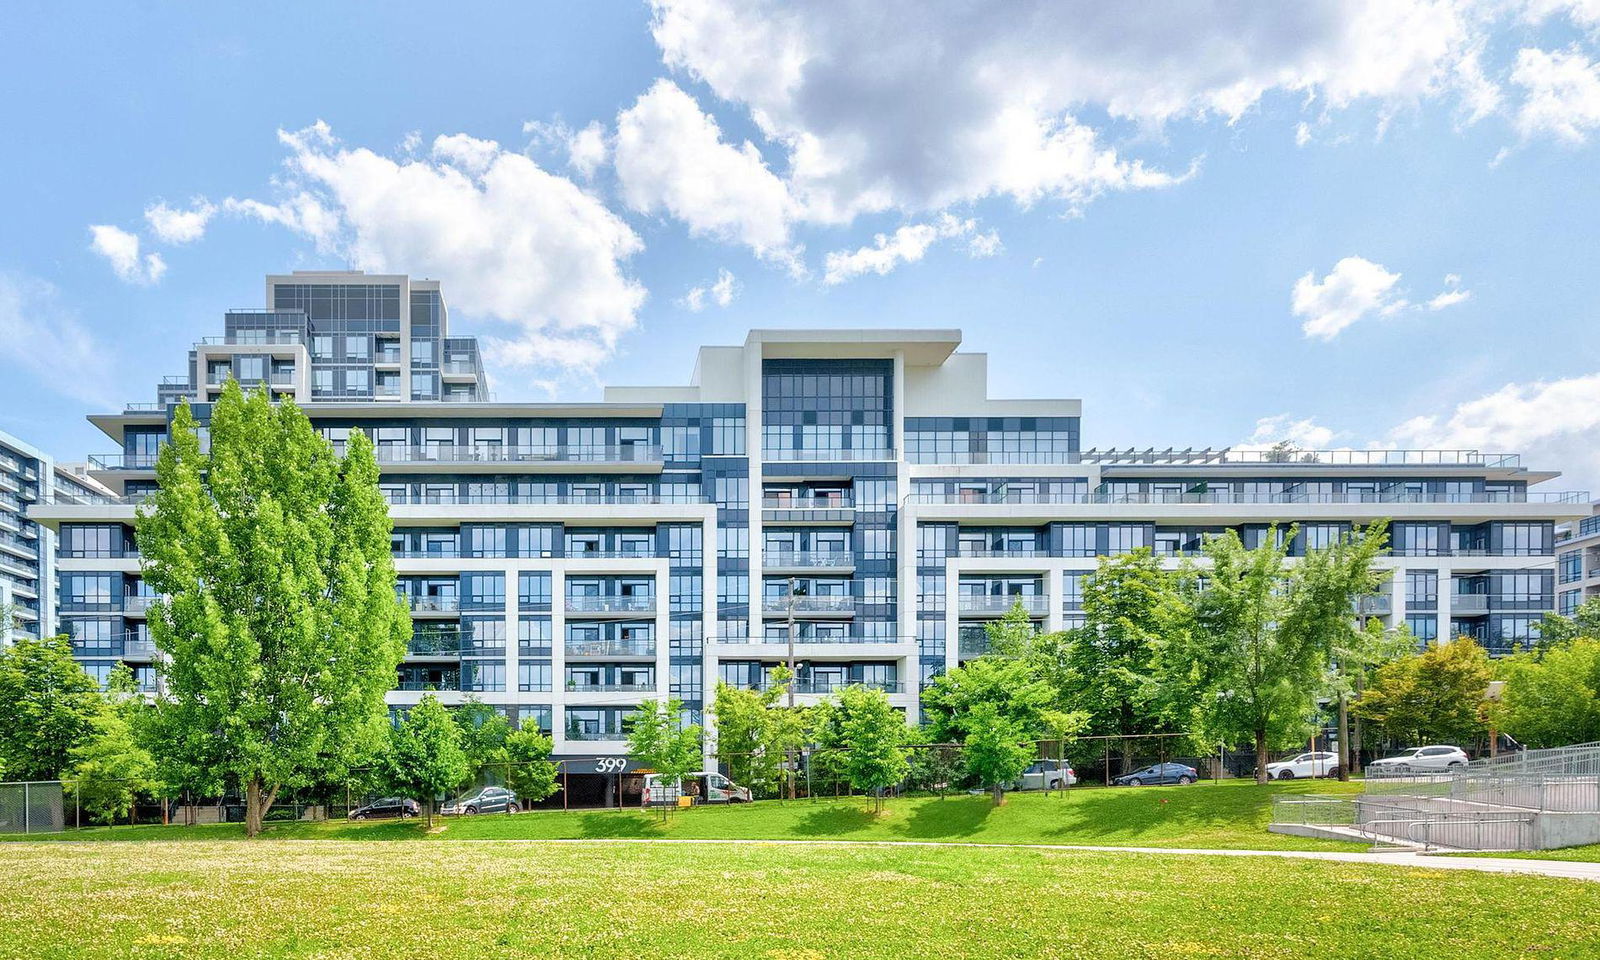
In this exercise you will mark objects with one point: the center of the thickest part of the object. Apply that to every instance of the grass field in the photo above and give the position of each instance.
(1586, 854)
(1229, 815)
(444, 900)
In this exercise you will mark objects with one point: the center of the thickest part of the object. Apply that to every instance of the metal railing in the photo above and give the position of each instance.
(809, 604)
(574, 686)
(808, 503)
(609, 736)
(1469, 603)
(565, 499)
(1356, 458)
(434, 604)
(1229, 497)
(836, 455)
(123, 461)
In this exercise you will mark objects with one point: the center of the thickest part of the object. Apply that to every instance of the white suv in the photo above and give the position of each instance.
(1319, 763)
(1434, 759)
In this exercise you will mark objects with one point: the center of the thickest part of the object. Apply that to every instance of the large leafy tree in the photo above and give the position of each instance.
(484, 731)
(1436, 696)
(279, 615)
(866, 737)
(1553, 700)
(743, 719)
(48, 707)
(1584, 622)
(998, 748)
(660, 741)
(1132, 610)
(529, 772)
(1265, 633)
(424, 756)
(112, 768)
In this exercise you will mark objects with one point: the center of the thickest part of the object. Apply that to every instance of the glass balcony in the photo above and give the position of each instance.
(808, 559)
(1374, 605)
(435, 604)
(611, 604)
(809, 604)
(123, 461)
(497, 453)
(610, 648)
(576, 687)
(1035, 605)
(1466, 604)
(607, 736)
(834, 686)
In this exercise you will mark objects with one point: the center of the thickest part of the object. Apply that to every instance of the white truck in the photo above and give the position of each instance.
(706, 786)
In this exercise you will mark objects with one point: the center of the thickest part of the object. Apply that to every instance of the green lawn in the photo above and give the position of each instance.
(1229, 815)
(1586, 854)
(443, 900)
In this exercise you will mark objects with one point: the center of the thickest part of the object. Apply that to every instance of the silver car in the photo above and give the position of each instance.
(1046, 775)
(1431, 759)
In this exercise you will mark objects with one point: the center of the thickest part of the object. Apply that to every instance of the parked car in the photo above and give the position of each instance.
(1318, 763)
(1158, 773)
(483, 800)
(402, 807)
(1431, 759)
(707, 786)
(1045, 775)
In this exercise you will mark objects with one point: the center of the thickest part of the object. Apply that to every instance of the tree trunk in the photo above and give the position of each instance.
(999, 795)
(252, 806)
(1127, 756)
(1261, 755)
(427, 809)
(1344, 738)
(1355, 733)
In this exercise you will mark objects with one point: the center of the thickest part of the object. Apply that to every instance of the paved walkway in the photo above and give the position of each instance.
(1571, 870)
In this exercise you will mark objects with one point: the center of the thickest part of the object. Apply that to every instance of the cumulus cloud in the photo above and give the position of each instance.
(919, 105)
(179, 226)
(121, 250)
(1357, 288)
(511, 241)
(1555, 423)
(586, 150)
(1562, 94)
(720, 292)
(39, 335)
(670, 157)
(1305, 434)
(907, 245)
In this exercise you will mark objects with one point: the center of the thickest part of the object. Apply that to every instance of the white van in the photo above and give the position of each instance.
(707, 786)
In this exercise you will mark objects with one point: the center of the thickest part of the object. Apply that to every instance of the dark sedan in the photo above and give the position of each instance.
(402, 807)
(1159, 773)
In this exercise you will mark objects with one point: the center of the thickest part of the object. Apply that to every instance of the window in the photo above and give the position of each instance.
(322, 381)
(252, 370)
(1570, 566)
(533, 589)
(321, 348)
(357, 381)
(422, 354)
(533, 676)
(1422, 589)
(358, 348)
(533, 636)
(483, 590)
(1567, 602)
(1425, 627)
(483, 677)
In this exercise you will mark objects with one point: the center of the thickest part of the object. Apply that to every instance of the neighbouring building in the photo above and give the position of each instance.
(27, 548)
(1578, 563)
(564, 561)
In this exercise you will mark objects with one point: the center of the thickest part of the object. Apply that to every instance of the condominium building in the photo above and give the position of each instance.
(28, 549)
(1578, 562)
(857, 491)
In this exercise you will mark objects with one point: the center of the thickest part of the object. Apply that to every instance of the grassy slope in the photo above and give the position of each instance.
(452, 900)
(1230, 815)
(1586, 854)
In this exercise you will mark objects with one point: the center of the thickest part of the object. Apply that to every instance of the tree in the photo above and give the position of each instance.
(1264, 634)
(111, 768)
(661, 742)
(529, 772)
(1436, 696)
(1551, 701)
(1555, 629)
(48, 707)
(868, 736)
(278, 612)
(425, 758)
(484, 731)
(1021, 679)
(998, 749)
(1113, 662)
(744, 721)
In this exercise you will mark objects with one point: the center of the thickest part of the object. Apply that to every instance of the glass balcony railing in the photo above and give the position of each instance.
(834, 686)
(1374, 605)
(1469, 603)
(610, 648)
(554, 499)
(434, 604)
(808, 503)
(839, 455)
(496, 453)
(575, 686)
(645, 604)
(809, 604)
(123, 461)
(808, 559)
(1229, 497)
(606, 736)
(1032, 604)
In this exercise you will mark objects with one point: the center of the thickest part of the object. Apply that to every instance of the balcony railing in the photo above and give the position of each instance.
(565, 499)
(138, 606)
(1343, 458)
(833, 686)
(434, 645)
(809, 559)
(608, 736)
(611, 604)
(1032, 604)
(496, 453)
(1374, 605)
(610, 648)
(123, 461)
(1469, 603)
(125, 649)
(27, 548)
(992, 552)
(809, 604)
(627, 553)
(1228, 497)
(458, 366)
(434, 604)
(256, 338)
(576, 687)
(808, 503)
(836, 455)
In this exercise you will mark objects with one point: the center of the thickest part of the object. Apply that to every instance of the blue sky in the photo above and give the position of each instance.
(1347, 223)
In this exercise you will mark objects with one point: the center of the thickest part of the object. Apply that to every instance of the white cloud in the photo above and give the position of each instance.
(1305, 434)
(39, 335)
(1554, 423)
(121, 250)
(907, 245)
(179, 226)
(670, 157)
(1355, 288)
(917, 105)
(1562, 97)
(1302, 134)
(511, 241)
(1582, 13)
(586, 150)
(720, 292)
